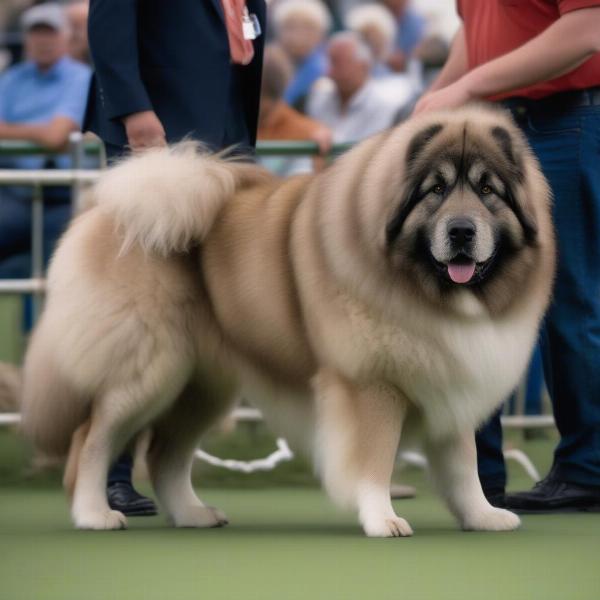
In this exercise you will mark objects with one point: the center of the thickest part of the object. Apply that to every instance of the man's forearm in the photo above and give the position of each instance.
(53, 136)
(30, 133)
(562, 47)
(115, 56)
(456, 65)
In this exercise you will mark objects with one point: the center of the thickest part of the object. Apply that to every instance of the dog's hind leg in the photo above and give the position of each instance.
(175, 438)
(108, 434)
(77, 441)
(358, 432)
(117, 416)
(453, 464)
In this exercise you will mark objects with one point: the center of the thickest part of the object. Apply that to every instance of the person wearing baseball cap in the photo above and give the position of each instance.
(49, 15)
(42, 100)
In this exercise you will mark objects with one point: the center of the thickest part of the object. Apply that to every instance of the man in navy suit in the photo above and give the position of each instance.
(165, 71)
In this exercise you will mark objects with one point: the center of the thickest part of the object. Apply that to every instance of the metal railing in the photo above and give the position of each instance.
(94, 148)
(76, 178)
(37, 180)
(19, 148)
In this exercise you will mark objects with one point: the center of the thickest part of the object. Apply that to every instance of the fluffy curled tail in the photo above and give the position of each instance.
(167, 199)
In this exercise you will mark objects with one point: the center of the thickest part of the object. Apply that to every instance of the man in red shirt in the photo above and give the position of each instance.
(541, 59)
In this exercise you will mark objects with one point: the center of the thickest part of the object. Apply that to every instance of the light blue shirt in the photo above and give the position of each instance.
(411, 29)
(313, 67)
(30, 96)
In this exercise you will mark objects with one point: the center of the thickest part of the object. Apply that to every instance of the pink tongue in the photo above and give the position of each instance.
(461, 273)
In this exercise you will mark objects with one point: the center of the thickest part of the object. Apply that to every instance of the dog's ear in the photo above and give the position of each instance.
(414, 151)
(394, 226)
(419, 142)
(518, 195)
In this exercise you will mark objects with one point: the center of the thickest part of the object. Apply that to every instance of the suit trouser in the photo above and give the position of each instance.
(120, 471)
(567, 144)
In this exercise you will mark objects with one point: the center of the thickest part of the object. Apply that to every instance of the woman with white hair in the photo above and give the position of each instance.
(375, 24)
(301, 28)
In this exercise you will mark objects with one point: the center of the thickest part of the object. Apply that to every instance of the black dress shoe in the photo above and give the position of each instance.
(123, 497)
(552, 494)
(496, 497)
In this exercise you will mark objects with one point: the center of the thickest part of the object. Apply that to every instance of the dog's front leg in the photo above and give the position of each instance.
(453, 463)
(358, 431)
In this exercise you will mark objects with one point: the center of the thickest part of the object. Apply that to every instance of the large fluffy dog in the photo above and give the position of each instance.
(397, 293)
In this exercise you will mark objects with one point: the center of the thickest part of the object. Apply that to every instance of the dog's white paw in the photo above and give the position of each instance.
(220, 515)
(492, 519)
(101, 520)
(387, 527)
(200, 516)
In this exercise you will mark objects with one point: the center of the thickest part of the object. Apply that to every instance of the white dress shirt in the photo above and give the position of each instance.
(369, 111)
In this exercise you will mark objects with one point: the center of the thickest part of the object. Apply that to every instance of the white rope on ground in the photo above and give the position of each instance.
(282, 454)
(416, 459)
(524, 460)
(413, 459)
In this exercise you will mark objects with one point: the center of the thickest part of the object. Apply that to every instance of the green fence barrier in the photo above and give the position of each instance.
(19, 148)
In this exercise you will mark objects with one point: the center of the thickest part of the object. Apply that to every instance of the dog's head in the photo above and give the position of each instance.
(466, 212)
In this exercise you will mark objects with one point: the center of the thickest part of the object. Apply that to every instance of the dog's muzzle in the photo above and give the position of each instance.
(461, 233)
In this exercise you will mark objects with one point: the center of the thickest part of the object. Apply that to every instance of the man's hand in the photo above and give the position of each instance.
(324, 139)
(559, 49)
(144, 130)
(454, 95)
(323, 136)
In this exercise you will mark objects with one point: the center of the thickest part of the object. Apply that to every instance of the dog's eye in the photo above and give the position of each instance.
(486, 189)
(438, 188)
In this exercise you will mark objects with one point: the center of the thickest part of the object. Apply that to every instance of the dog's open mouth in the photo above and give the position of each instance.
(462, 269)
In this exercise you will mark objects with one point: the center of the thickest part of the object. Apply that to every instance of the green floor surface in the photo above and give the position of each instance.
(285, 541)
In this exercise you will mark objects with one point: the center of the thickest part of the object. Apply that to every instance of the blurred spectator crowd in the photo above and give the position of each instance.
(336, 71)
(339, 71)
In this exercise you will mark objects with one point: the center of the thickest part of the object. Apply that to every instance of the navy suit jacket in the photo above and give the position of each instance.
(172, 56)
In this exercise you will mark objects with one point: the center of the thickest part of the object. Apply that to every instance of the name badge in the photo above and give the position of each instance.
(250, 25)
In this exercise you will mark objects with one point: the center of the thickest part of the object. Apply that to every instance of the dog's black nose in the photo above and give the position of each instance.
(461, 231)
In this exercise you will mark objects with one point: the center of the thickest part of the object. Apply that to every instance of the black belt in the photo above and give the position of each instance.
(556, 103)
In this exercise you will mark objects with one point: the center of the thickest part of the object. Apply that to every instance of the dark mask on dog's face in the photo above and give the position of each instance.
(463, 215)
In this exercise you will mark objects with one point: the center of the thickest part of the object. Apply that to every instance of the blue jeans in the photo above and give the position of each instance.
(15, 233)
(568, 148)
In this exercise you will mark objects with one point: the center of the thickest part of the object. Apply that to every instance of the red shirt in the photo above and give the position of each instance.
(495, 27)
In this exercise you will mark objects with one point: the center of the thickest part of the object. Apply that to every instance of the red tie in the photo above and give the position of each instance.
(241, 49)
